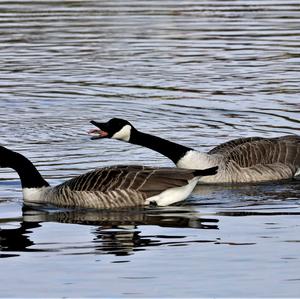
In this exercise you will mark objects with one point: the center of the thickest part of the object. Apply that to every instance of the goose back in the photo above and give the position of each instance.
(232, 144)
(142, 178)
(285, 150)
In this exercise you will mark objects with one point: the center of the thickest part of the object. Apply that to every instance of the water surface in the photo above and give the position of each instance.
(195, 72)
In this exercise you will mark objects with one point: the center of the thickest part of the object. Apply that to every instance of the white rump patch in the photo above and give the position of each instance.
(173, 195)
(123, 134)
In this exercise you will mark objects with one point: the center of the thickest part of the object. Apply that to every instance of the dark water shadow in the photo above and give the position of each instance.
(115, 232)
(17, 239)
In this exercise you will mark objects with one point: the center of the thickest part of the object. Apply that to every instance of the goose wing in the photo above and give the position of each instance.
(283, 150)
(139, 178)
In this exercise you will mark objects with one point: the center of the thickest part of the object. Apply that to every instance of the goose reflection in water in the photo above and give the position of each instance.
(116, 232)
(17, 239)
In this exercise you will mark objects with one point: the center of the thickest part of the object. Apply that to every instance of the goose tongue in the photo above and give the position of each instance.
(97, 133)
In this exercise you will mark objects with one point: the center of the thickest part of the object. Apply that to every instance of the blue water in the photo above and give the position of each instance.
(195, 72)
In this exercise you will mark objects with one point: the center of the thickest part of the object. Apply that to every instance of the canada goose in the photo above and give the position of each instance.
(106, 188)
(240, 160)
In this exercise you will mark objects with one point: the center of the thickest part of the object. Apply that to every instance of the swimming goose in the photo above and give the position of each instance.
(105, 188)
(242, 160)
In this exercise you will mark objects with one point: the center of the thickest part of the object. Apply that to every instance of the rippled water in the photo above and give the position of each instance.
(196, 72)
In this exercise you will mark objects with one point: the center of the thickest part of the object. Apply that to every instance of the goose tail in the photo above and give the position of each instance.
(206, 172)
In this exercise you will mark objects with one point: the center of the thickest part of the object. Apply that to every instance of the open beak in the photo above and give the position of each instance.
(99, 132)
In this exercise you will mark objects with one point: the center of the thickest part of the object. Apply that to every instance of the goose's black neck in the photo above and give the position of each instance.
(29, 175)
(171, 150)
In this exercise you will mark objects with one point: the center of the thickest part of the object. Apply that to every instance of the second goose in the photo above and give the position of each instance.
(243, 160)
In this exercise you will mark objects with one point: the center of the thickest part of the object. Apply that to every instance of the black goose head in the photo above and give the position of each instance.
(115, 128)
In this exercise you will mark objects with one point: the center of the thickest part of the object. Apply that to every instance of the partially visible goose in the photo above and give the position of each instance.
(106, 188)
(243, 160)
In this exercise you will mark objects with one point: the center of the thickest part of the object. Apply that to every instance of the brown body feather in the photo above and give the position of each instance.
(257, 159)
(248, 152)
(119, 186)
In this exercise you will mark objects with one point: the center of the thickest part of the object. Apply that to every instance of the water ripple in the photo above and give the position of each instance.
(195, 72)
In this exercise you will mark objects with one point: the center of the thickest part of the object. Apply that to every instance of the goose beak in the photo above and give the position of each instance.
(98, 133)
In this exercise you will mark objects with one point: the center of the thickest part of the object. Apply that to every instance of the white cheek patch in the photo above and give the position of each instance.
(123, 134)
